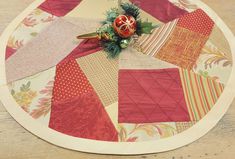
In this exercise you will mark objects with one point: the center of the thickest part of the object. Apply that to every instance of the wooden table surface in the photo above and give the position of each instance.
(17, 143)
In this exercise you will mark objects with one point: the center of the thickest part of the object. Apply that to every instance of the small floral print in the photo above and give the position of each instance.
(36, 12)
(216, 57)
(29, 28)
(206, 75)
(15, 44)
(165, 130)
(123, 136)
(48, 19)
(151, 130)
(44, 106)
(25, 96)
(29, 22)
(34, 34)
(132, 139)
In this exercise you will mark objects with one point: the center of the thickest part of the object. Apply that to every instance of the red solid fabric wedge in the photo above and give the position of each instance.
(163, 10)
(59, 7)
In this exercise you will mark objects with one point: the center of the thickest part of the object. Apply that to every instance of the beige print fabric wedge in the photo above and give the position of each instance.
(47, 49)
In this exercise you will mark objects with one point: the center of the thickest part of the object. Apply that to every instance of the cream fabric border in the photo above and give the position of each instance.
(85, 145)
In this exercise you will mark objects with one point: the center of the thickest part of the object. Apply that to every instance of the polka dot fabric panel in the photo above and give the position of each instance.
(197, 21)
(70, 81)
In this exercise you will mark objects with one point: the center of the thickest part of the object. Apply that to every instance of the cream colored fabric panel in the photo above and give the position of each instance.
(218, 38)
(102, 74)
(92, 8)
(96, 9)
(132, 59)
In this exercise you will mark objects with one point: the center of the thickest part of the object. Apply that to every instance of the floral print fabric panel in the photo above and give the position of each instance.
(132, 59)
(147, 96)
(76, 108)
(164, 11)
(33, 94)
(215, 61)
(146, 132)
(29, 28)
(59, 7)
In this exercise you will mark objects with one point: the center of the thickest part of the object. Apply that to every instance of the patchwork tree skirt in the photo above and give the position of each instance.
(165, 91)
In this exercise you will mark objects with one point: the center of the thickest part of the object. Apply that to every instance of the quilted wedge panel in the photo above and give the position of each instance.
(147, 96)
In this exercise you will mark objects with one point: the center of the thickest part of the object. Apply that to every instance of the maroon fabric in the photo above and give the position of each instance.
(147, 96)
(9, 52)
(76, 109)
(83, 116)
(163, 10)
(59, 7)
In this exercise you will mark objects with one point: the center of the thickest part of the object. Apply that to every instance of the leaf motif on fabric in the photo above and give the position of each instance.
(122, 133)
(24, 96)
(215, 57)
(44, 104)
(149, 129)
(166, 130)
(29, 22)
(15, 44)
(48, 19)
(34, 34)
(206, 75)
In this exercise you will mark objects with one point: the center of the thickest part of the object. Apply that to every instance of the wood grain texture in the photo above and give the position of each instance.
(17, 143)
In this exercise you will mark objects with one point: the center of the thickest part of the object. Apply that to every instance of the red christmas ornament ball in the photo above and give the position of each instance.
(125, 25)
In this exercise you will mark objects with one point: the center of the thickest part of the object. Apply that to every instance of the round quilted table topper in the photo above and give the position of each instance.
(165, 90)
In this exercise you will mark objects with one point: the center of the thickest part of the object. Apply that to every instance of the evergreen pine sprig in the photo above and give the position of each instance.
(111, 15)
(112, 48)
(131, 9)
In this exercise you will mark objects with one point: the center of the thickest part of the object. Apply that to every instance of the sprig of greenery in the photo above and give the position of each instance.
(112, 48)
(144, 27)
(131, 9)
(111, 15)
(112, 45)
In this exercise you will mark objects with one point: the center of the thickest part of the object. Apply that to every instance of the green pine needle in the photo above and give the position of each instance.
(111, 15)
(131, 9)
(112, 48)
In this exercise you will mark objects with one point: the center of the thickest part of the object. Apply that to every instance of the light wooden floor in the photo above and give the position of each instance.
(17, 143)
